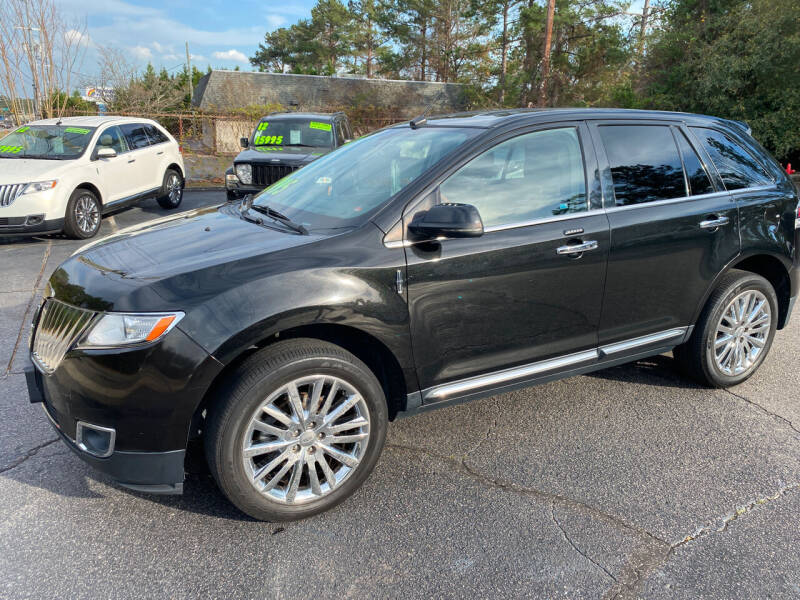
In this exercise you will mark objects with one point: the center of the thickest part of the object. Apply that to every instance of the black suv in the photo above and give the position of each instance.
(282, 143)
(425, 264)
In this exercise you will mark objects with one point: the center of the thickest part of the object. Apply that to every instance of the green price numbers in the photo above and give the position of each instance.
(262, 140)
(10, 149)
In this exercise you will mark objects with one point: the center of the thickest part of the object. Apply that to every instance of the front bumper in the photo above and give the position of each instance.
(29, 225)
(147, 396)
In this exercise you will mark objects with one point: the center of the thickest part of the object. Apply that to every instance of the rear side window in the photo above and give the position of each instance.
(340, 135)
(155, 135)
(645, 164)
(737, 167)
(136, 134)
(533, 176)
(699, 181)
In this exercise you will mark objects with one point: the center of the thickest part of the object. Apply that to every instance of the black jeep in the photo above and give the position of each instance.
(282, 143)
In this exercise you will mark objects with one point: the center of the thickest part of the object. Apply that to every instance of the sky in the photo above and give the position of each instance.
(220, 33)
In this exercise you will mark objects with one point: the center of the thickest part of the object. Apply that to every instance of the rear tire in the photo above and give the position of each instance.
(83, 216)
(171, 193)
(734, 332)
(344, 426)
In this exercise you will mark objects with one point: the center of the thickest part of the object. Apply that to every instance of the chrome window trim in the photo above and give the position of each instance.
(566, 217)
(444, 391)
(667, 202)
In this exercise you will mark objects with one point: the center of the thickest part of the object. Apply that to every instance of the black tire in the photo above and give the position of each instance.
(239, 399)
(696, 357)
(171, 194)
(83, 216)
(232, 196)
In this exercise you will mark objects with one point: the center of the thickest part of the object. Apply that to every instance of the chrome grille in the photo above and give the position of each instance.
(9, 193)
(268, 174)
(60, 325)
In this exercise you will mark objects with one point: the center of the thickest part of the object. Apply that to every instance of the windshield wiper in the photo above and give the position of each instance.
(274, 214)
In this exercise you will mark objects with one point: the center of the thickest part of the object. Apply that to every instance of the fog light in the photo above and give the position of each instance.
(34, 220)
(231, 181)
(97, 441)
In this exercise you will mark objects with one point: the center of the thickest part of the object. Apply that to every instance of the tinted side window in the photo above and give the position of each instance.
(736, 166)
(155, 135)
(645, 164)
(699, 181)
(136, 134)
(112, 138)
(533, 176)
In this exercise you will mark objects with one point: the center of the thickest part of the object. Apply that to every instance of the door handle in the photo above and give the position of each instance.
(714, 223)
(577, 248)
(131, 160)
(160, 153)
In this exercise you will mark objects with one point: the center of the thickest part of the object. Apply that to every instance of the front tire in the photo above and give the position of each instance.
(295, 430)
(171, 194)
(734, 333)
(83, 216)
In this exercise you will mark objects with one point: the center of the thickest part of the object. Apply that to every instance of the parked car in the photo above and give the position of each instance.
(282, 143)
(65, 174)
(422, 265)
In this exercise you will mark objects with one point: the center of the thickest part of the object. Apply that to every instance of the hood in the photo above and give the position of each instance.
(293, 155)
(26, 170)
(129, 269)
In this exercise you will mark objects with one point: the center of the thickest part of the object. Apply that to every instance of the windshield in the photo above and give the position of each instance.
(57, 142)
(294, 132)
(344, 188)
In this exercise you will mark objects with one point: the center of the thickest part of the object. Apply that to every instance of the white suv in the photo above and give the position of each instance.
(64, 174)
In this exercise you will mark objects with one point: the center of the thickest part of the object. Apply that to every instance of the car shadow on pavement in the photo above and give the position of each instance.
(658, 371)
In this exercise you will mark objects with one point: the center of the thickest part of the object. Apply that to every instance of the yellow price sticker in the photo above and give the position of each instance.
(321, 126)
(10, 149)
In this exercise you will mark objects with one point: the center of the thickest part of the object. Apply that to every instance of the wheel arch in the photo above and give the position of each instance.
(176, 167)
(771, 267)
(90, 187)
(365, 346)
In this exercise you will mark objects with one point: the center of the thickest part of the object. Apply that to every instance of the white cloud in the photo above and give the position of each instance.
(142, 52)
(77, 38)
(275, 21)
(233, 55)
(159, 47)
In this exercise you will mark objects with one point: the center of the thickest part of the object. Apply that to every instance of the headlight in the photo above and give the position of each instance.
(245, 174)
(120, 329)
(39, 186)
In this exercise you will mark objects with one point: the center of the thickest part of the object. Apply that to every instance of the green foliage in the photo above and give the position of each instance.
(735, 59)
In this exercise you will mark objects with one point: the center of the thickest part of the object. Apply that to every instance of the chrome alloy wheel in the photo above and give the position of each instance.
(87, 214)
(742, 333)
(174, 188)
(306, 439)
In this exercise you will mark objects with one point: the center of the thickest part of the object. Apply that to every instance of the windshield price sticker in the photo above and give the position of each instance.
(321, 126)
(10, 149)
(79, 130)
(262, 126)
(22, 130)
(269, 139)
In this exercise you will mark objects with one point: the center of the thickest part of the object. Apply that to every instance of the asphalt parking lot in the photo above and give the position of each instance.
(628, 483)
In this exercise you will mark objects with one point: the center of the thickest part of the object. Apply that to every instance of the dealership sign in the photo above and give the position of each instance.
(98, 94)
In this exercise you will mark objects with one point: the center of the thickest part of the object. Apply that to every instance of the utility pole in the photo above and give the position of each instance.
(189, 73)
(548, 41)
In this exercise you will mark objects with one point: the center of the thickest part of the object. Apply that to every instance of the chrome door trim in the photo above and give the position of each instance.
(644, 340)
(442, 392)
(723, 194)
(445, 391)
(714, 223)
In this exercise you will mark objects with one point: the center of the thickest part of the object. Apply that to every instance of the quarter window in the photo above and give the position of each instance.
(699, 181)
(736, 166)
(155, 135)
(645, 164)
(532, 176)
(136, 134)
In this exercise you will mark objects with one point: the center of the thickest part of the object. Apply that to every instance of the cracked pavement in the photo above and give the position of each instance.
(627, 483)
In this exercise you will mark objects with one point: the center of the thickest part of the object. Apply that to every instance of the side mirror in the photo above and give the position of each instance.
(447, 221)
(106, 152)
(244, 142)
